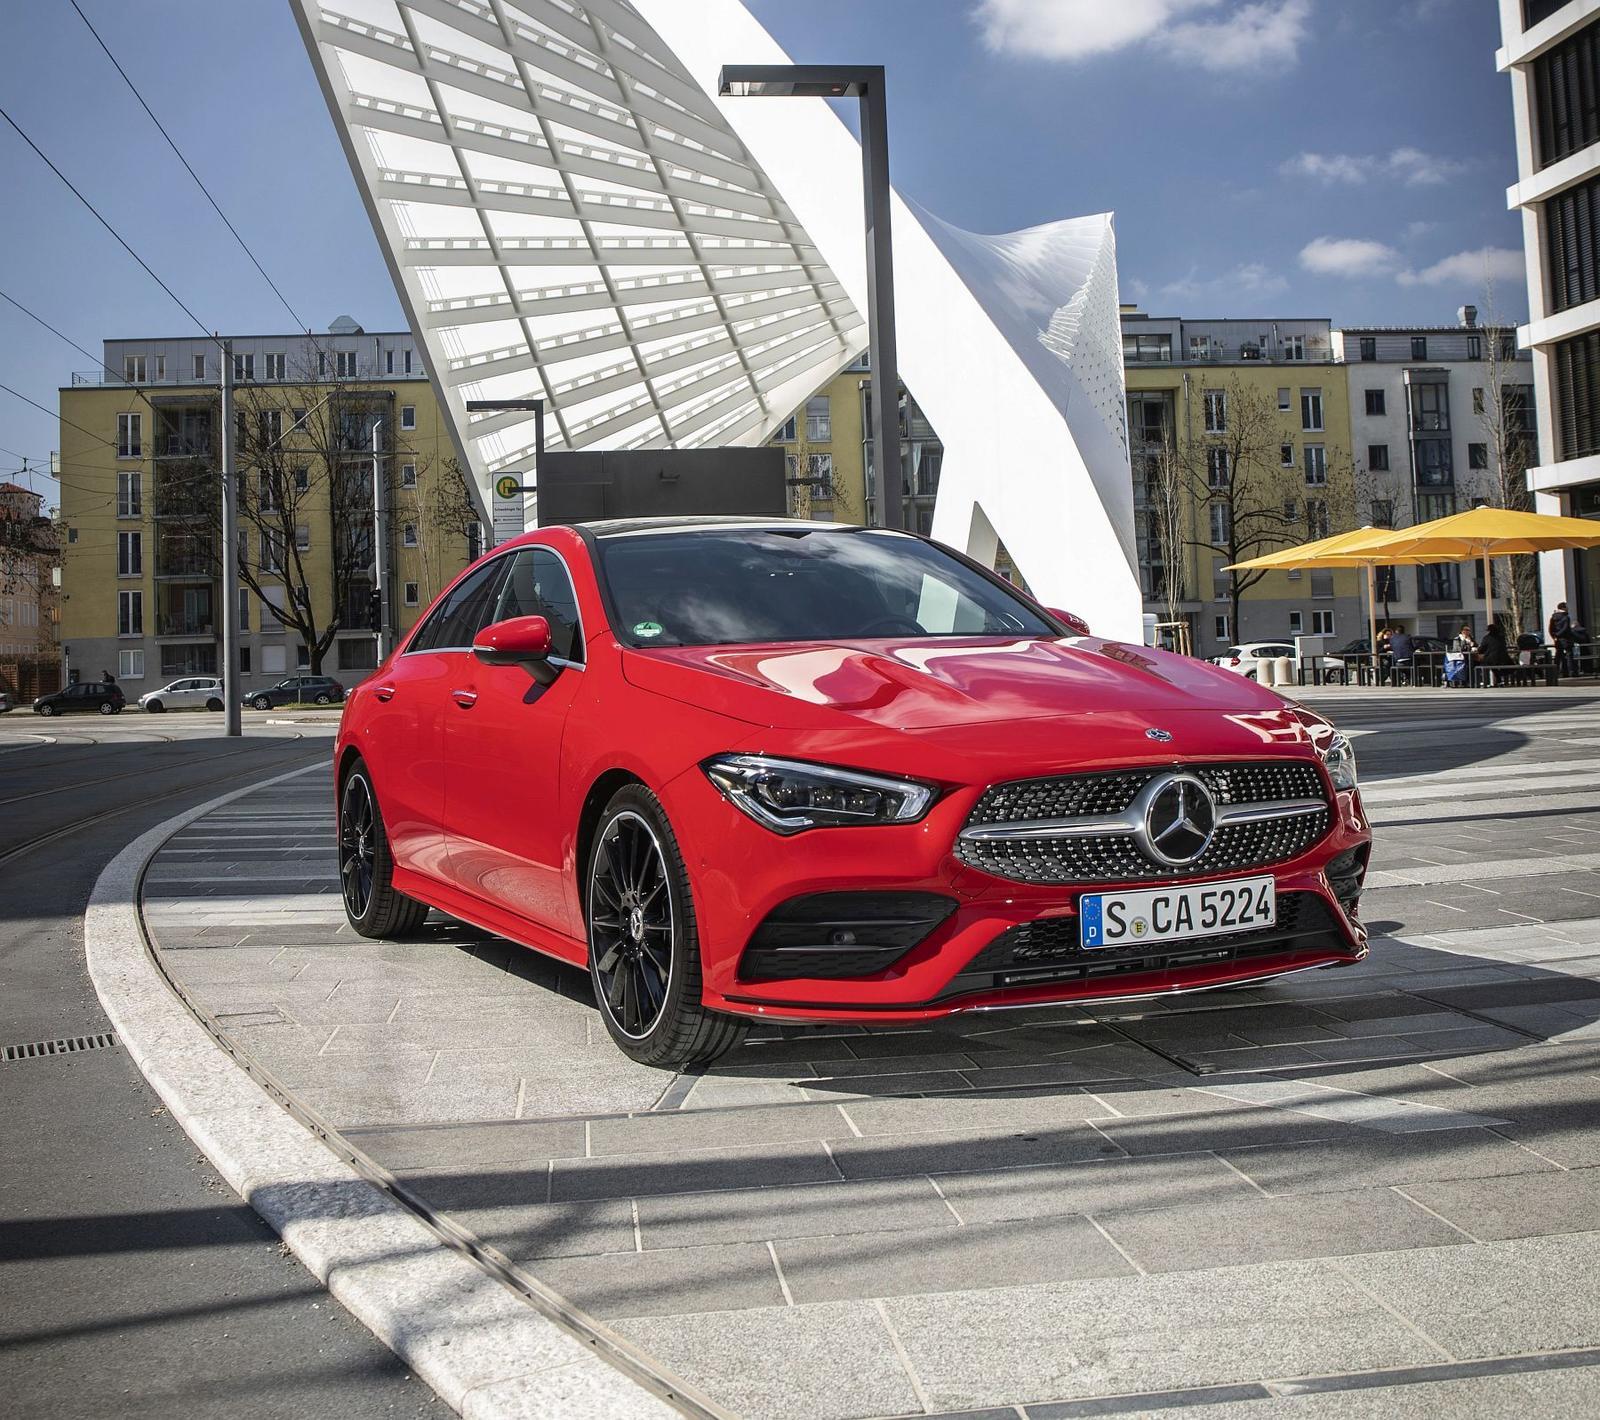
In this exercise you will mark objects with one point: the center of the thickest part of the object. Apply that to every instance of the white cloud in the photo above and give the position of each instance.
(1215, 34)
(1470, 268)
(1415, 230)
(1407, 165)
(1348, 256)
(1248, 280)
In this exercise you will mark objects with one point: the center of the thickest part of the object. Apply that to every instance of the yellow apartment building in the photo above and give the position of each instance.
(140, 505)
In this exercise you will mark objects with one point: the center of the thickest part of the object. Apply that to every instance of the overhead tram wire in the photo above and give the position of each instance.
(17, 394)
(188, 168)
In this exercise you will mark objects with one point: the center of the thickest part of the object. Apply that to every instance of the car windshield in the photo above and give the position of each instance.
(731, 586)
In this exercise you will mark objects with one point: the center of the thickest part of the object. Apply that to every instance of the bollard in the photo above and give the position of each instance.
(1283, 670)
(1266, 671)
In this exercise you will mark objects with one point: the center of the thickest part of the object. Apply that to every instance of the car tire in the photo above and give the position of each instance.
(46, 710)
(213, 704)
(107, 708)
(366, 869)
(154, 707)
(262, 703)
(655, 1022)
(322, 699)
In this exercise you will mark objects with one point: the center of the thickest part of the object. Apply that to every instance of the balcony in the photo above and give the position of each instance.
(183, 446)
(182, 623)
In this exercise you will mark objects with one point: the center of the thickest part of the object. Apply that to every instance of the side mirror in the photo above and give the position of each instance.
(1075, 623)
(520, 641)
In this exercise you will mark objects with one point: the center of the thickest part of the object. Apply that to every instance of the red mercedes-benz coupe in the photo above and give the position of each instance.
(805, 772)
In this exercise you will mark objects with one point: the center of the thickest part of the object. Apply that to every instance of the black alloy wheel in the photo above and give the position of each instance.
(372, 904)
(262, 703)
(644, 946)
(155, 707)
(630, 924)
(107, 708)
(47, 710)
(322, 698)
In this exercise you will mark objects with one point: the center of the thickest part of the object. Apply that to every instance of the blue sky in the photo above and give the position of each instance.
(1342, 158)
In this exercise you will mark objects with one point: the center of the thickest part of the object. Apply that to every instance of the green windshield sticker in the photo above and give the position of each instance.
(647, 628)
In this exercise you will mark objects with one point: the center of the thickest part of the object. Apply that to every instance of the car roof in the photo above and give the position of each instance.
(623, 527)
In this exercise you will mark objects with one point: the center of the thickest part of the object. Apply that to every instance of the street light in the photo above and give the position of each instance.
(863, 82)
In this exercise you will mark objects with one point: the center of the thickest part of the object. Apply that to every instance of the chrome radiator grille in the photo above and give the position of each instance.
(1074, 828)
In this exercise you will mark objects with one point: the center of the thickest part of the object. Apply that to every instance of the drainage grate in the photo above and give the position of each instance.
(70, 1045)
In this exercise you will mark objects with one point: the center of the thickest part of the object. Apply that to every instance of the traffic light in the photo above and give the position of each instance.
(375, 610)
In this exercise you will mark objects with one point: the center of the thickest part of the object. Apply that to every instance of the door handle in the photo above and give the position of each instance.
(466, 699)
(384, 692)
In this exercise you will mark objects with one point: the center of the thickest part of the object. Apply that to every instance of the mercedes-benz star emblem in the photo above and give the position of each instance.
(1161, 737)
(1177, 817)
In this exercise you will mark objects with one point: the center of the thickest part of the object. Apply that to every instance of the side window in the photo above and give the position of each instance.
(538, 585)
(464, 612)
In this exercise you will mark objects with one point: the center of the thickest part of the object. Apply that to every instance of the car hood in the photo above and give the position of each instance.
(938, 684)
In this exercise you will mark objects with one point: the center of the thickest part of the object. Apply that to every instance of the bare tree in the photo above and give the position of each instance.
(303, 459)
(1506, 415)
(1162, 489)
(1382, 500)
(1253, 502)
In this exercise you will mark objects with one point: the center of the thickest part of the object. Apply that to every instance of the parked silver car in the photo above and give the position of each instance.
(195, 692)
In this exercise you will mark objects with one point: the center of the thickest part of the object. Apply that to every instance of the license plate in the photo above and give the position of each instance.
(1172, 914)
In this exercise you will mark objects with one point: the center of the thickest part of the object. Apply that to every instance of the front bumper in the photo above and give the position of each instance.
(744, 876)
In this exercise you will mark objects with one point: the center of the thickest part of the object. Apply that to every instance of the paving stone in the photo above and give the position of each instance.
(1519, 1206)
(811, 1210)
(666, 1281)
(1134, 1103)
(1381, 1160)
(531, 1232)
(479, 1146)
(1020, 1110)
(1241, 1126)
(1119, 1335)
(890, 1155)
(1497, 1298)
(676, 1131)
(1198, 1180)
(947, 1259)
(639, 1175)
(827, 1362)
(1271, 1230)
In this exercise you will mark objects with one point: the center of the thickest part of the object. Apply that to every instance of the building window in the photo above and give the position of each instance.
(1376, 403)
(1382, 513)
(1474, 347)
(408, 475)
(388, 362)
(1322, 623)
(1419, 347)
(819, 419)
(1566, 96)
(160, 366)
(819, 473)
(785, 434)
(130, 554)
(274, 661)
(1294, 347)
(408, 362)
(413, 595)
(347, 364)
(130, 613)
(130, 436)
(271, 423)
(1296, 623)
(1221, 524)
(1147, 349)
(1285, 399)
(1477, 456)
(198, 368)
(1430, 408)
(1369, 347)
(408, 535)
(133, 369)
(244, 660)
(302, 537)
(1508, 347)
(1317, 526)
(244, 608)
(1377, 458)
(130, 502)
(1477, 400)
(244, 369)
(322, 364)
(1216, 403)
(1311, 410)
(1577, 396)
(1217, 468)
(1286, 455)
(1316, 465)
(271, 550)
(130, 664)
(302, 656)
(408, 416)
(1221, 625)
(276, 364)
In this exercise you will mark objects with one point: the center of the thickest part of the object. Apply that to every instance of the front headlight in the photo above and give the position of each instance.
(1340, 758)
(790, 797)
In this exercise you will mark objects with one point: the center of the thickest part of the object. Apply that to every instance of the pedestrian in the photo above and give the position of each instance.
(1402, 650)
(1564, 640)
(1494, 654)
(1463, 641)
(108, 678)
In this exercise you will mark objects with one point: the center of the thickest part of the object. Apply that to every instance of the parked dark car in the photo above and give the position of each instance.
(298, 689)
(1430, 644)
(100, 696)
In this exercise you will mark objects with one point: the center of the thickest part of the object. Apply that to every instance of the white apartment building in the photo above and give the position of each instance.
(1551, 50)
(1419, 399)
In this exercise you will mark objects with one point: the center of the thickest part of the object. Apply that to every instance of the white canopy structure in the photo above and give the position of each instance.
(569, 213)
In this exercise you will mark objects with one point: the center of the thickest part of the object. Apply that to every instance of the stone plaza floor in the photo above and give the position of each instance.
(1368, 1191)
